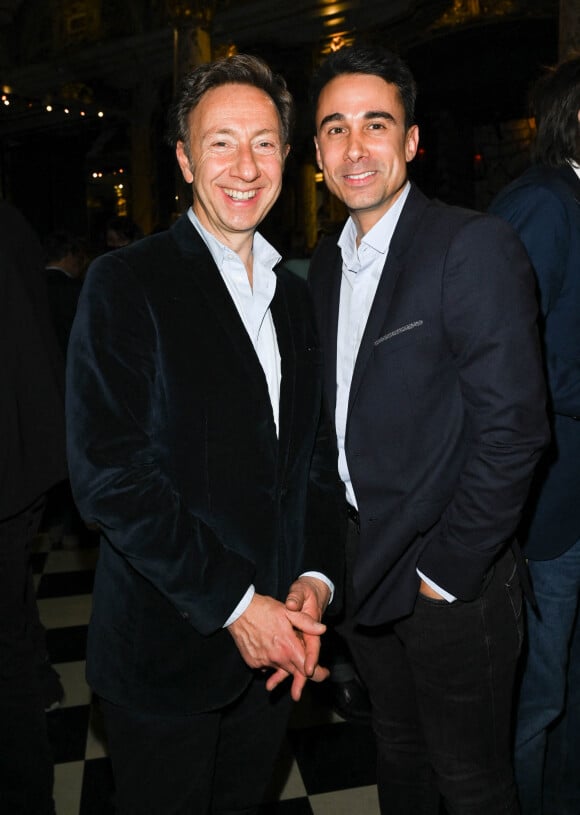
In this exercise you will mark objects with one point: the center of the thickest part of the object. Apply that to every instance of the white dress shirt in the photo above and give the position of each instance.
(253, 305)
(362, 267)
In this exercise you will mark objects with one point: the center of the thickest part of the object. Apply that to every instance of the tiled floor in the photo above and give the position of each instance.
(326, 766)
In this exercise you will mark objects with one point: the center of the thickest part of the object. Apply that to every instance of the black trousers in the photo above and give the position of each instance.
(218, 762)
(26, 767)
(441, 685)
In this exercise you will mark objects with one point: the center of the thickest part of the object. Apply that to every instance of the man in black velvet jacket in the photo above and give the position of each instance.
(193, 400)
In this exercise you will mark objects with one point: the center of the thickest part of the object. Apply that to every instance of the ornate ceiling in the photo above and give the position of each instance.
(100, 51)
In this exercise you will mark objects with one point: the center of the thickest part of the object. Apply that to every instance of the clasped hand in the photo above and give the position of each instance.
(285, 637)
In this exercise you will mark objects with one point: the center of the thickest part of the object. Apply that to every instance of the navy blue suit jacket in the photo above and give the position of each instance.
(446, 417)
(173, 453)
(544, 207)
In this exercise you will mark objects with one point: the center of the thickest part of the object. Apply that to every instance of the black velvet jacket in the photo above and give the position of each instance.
(173, 452)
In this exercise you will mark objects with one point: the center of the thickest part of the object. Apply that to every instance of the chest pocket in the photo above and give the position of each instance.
(405, 334)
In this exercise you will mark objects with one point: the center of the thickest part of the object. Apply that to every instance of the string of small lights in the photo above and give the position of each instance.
(11, 102)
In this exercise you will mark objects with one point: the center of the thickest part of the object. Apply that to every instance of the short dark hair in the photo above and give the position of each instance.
(555, 102)
(125, 228)
(61, 243)
(368, 59)
(240, 69)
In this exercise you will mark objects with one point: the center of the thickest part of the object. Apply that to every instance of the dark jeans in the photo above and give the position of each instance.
(218, 762)
(441, 684)
(26, 769)
(547, 757)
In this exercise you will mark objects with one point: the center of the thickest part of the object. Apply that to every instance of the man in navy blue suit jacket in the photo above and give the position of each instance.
(544, 207)
(427, 318)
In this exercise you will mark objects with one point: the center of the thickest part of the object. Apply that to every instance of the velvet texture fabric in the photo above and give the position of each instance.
(173, 453)
(446, 415)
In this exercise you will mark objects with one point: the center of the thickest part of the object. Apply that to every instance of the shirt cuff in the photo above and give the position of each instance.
(445, 594)
(324, 579)
(241, 607)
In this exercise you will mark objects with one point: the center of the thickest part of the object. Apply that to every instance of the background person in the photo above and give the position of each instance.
(32, 459)
(544, 207)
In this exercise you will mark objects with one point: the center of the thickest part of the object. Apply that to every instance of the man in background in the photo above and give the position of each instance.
(544, 207)
(65, 260)
(32, 460)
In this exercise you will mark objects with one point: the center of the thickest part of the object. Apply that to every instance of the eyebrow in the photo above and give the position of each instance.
(370, 114)
(231, 131)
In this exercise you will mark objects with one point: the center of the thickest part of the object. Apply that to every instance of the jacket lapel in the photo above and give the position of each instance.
(402, 238)
(328, 318)
(570, 178)
(286, 347)
(203, 273)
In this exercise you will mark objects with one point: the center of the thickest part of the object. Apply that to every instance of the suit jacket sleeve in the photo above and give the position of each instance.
(489, 313)
(114, 407)
(541, 218)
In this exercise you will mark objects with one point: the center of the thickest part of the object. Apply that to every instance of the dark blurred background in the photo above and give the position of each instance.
(86, 85)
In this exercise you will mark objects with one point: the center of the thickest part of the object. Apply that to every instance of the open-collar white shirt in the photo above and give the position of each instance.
(362, 267)
(252, 303)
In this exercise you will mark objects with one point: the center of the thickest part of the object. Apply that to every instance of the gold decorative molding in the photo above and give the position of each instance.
(191, 12)
(467, 11)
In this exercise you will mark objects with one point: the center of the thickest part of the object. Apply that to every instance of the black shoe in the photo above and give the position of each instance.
(350, 700)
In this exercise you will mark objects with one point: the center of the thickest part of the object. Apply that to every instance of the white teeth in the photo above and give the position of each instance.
(360, 176)
(238, 195)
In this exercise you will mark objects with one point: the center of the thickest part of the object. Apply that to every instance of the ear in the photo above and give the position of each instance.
(318, 158)
(184, 163)
(411, 142)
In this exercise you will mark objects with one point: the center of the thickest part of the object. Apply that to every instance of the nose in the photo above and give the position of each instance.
(245, 165)
(354, 148)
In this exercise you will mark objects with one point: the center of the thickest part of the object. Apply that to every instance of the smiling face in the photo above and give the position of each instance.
(363, 145)
(234, 161)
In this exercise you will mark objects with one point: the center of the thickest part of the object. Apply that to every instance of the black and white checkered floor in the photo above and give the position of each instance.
(326, 766)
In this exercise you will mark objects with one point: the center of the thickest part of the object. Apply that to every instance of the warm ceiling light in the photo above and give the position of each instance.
(333, 9)
(337, 43)
(332, 21)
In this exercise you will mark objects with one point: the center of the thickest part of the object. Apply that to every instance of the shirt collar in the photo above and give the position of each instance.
(265, 255)
(575, 166)
(378, 238)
